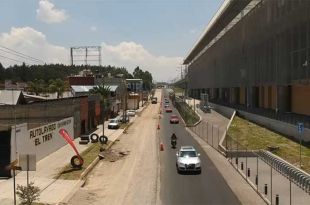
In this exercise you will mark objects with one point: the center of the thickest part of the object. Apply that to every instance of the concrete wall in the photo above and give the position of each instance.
(36, 114)
(278, 126)
(133, 104)
(273, 97)
(242, 95)
(225, 111)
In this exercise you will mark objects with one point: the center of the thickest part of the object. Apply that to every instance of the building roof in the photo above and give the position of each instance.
(81, 80)
(87, 88)
(11, 97)
(134, 80)
(38, 97)
(224, 16)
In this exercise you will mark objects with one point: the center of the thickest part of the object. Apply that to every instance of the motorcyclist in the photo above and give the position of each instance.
(173, 138)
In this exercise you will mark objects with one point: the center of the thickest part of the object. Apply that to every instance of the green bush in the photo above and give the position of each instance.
(188, 115)
(28, 194)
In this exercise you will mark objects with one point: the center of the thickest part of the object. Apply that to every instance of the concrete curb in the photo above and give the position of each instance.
(146, 104)
(66, 199)
(94, 163)
(90, 167)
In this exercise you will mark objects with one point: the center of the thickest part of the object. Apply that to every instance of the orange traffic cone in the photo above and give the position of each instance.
(161, 146)
(158, 126)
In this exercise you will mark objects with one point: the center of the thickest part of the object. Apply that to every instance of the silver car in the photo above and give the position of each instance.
(131, 113)
(188, 160)
(113, 124)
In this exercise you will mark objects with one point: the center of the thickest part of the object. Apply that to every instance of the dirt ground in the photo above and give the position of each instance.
(128, 174)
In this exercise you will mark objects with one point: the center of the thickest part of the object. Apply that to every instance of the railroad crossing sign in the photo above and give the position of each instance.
(300, 127)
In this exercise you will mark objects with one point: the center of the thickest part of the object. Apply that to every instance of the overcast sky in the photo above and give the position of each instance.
(153, 34)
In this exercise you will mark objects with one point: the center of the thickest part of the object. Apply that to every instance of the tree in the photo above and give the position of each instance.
(2, 72)
(145, 76)
(37, 86)
(104, 92)
(57, 86)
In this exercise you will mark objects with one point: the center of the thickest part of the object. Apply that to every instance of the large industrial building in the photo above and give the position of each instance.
(255, 55)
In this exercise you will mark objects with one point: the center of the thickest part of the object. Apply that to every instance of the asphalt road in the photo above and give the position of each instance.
(209, 187)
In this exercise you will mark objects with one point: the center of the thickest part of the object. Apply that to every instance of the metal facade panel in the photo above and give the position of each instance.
(270, 45)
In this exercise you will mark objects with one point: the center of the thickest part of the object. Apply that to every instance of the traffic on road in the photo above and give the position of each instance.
(187, 175)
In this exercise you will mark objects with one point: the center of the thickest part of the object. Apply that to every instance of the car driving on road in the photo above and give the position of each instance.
(168, 109)
(154, 100)
(174, 119)
(188, 160)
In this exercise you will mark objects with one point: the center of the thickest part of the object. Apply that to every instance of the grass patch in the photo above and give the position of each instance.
(188, 115)
(178, 90)
(252, 136)
(89, 155)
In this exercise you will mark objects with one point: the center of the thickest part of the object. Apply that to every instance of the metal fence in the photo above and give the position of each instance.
(210, 133)
(288, 117)
(261, 172)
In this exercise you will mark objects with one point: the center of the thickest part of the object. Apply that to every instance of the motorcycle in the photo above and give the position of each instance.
(173, 143)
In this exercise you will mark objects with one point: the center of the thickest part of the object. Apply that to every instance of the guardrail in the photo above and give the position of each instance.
(299, 177)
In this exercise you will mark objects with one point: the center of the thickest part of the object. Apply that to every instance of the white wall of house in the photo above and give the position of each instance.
(40, 141)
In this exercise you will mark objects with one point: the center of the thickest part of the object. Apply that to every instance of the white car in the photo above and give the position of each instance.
(188, 160)
(113, 124)
(131, 113)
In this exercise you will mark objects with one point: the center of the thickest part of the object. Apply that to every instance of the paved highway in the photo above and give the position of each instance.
(209, 187)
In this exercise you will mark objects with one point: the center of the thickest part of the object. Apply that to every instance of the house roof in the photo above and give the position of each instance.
(10, 97)
(87, 88)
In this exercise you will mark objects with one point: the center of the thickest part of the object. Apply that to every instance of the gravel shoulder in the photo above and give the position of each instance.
(128, 174)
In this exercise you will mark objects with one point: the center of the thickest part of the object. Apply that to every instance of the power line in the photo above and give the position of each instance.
(11, 59)
(18, 55)
(26, 56)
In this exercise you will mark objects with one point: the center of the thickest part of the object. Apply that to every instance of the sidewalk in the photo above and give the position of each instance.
(53, 190)
(212, 126)
(47, 169)
(211, 129)
(266, 176)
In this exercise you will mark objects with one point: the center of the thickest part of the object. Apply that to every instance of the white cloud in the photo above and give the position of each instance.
(131, 54)
(93, 28)
(48, 13)
(32, 43)
(127, 54)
